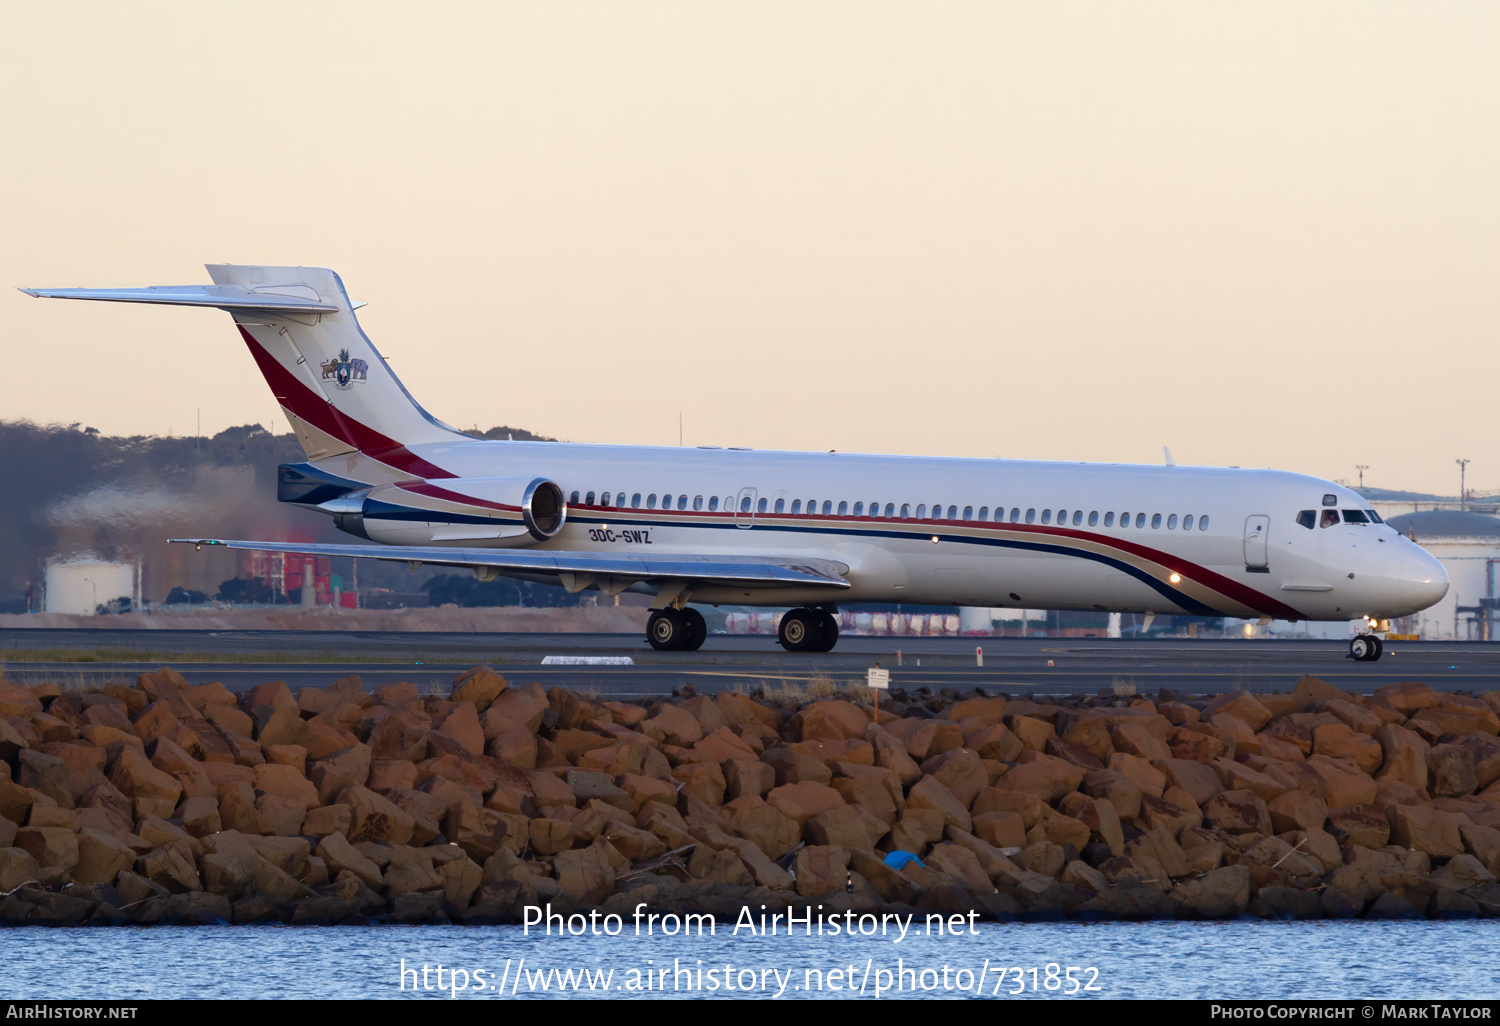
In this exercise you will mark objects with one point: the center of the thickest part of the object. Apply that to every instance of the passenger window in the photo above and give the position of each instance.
(984, 513)
(588, 500)
(1156, 521)
(796, 505)
(1062, 516)
(1031, 516)
(859, 509)
(1015, 514)
(666, 502)
(1094, 518)
(1046, 516)
(828, 507)
(906, 511)
(1308, 518)
(1140, 520)
(635, 501)
(1077, 517)
(651, 501)
(1330, 517)
(573, 499)
(1355, 516)
(1172, 522)
(1109, 520)
(745, 504)
(952, 512)
(1124, 519)
(682, 502)
(1203, 523)
(713, 503)
(760, 507)
(922, 512)
(697, 502)
(890, 510)
(604, 499)
(968, 512)
(780, 505)
(1187, 522)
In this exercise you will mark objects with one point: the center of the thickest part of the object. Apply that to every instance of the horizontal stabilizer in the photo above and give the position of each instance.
(751, 571)
(222, 297)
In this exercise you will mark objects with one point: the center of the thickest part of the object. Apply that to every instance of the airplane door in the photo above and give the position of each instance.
(744, 508)
(1257, 527)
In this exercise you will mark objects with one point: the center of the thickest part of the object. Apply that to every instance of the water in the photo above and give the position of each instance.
(1244, 959)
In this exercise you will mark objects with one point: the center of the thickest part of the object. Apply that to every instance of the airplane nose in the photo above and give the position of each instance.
(1423, 581)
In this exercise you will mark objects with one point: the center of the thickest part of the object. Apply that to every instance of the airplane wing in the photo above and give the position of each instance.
(578, 570)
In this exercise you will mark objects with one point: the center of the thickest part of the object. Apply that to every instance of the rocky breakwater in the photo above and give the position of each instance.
(162, 802)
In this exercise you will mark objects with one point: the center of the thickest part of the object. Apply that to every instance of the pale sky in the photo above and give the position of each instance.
(1264, 234)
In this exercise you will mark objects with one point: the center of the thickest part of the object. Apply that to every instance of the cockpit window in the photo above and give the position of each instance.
(1355, 516)
(1374, 517)
(1330, 517)
(1308, 518)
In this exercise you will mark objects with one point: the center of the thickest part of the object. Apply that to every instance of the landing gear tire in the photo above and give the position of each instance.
(799, 631)
(667, 630)
(1365, 648)
(828, 629)
(697, 630)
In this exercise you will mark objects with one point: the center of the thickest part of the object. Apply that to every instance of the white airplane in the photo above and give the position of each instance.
(799, 530)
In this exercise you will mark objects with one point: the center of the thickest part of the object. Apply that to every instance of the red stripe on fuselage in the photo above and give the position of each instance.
(307, 405)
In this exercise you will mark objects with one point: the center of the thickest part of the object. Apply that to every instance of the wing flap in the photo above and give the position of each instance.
(222, 297)
(763, 571)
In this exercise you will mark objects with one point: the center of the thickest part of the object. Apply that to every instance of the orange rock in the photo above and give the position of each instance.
(1121, 791)
(740, 709)
(585, 876)
(101, 857)
(991, 741)
(647, 789)
(672, 725)
(1238, 812)
(134, 775)
(891, 754)
(1276, 749)
(1147, 779)
(1045, 776)
(1099, 816)
(1364, 825)
(792, 767)
(462, 725)
(1000, 829)
(1134, 739)
(1406, 698)
(513, 708)
(1238, 776)
(874, 789)
(747, 776)
(1450, 770)
(1082, 727)
(1340, 741)
(1345, 785)
(704, 779)
(1196, 745)
(479, 686)
(279, 815)
(1426, 829)
(1161, 814)
(374, 818)
(961, 771)
(1032, 733)
(805, 799)
(764, 824)
(1243, 706)
(1475, 708)
(328, 819)
(830, 719)
(51, 847)
(1296, 810)
(722, 745)
(1195, 778)
(1232, 729)
(1432, 724)
(550, 836)
(286, 782)
(844, 827)
(1486, 753)
(990, 710)
(821, 869)
(1076, 754)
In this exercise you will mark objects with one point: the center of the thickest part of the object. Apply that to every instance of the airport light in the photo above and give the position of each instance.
(1176, 578)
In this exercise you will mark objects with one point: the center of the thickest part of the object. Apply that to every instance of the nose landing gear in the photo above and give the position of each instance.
(1365, 648)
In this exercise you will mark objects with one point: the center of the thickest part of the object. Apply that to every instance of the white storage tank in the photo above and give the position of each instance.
(84, 584)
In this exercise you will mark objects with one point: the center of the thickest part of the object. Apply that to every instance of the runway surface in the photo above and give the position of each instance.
(1013, 666)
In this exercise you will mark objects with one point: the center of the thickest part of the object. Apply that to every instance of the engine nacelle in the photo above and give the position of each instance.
(483, 512)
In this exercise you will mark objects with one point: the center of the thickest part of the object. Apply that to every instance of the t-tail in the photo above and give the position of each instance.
(337, 391)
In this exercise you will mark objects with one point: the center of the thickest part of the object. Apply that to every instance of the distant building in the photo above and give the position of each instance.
(1468, 546)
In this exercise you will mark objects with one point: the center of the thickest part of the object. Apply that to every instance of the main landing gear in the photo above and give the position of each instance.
(676, 630)
(808, 630)
(1365, 648)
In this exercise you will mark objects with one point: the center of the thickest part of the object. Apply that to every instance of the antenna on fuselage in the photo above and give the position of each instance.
(1168, 454)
